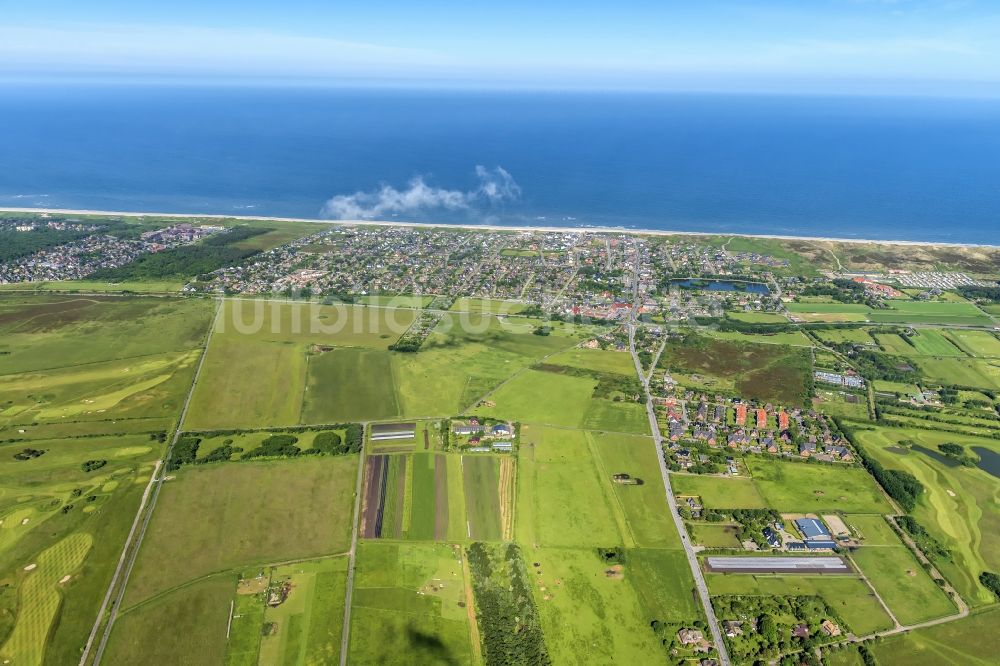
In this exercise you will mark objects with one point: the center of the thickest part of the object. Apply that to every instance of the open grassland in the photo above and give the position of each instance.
(976, 373)
(487, 305)
(961, 642)
(791, 338)
(802, 488)
(196, 615)
(219, 517)
(850, 405)
(554, 398)
(647, 521)
(53, 331)
(873, 530)
(893, 343)
(906, 588)
(983, 344)
(563, 497)
(776, 373)
(409, 605)
(858, 336)
(256, 370)
(601, 360)
(895, 387)
(959, 505)
(306, 628)
(758, 317)
(848, 595)
(931, 312)
(931, 342)
(396, 301)
(713, 535)
(581, 605)
(97, 286)
(719, 492)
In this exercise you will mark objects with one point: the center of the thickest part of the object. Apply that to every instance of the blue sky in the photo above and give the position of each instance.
(874, 46)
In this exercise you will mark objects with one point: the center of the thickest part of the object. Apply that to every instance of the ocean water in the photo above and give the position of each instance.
(912, 169)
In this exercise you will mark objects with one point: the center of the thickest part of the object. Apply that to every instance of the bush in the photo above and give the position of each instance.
(329, 441)
(92, 465)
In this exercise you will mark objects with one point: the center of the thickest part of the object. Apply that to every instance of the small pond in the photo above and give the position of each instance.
(989, 461)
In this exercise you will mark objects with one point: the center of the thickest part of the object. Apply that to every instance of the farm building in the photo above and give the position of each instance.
(478, 449)
(813, 530)
(501, 430)
(385, 431)
(467, 429)
(503, 446)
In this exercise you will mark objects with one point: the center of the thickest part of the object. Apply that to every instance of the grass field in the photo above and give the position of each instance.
(791, 338)
(256, 339)
(198, 612)
(406, 606)
(350, 383)
(646, 523)
(802, 488)
(983, 344)
(958, 507)
(895, 387)
(848, 595)
(487, 305)
(563, 498)
(977, 373)
(86, 286)
(720, 493)
(874, 530)
(758, 317)
(595, 359)
(902, 583)
(482, 496)
(581, 606)
(396, 301)
(931, 342)
(839, 403)
(230, 515)
(858, 336)
(960, 642)
(714, 536)
(308, 626)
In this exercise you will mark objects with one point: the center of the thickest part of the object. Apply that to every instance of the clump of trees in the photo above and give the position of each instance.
(991, 581)
(512, 632)
(28, 454)
(930, 546)
(274, 446)
(93, 465)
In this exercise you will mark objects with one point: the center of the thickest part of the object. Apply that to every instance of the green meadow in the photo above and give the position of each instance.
(959, 642)
(799, 487)
(906, 588)
(719, 492)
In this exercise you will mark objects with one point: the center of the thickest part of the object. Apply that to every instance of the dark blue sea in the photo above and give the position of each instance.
(887, 168)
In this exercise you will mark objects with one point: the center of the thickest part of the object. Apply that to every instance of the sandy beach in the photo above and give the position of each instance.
(491, 227)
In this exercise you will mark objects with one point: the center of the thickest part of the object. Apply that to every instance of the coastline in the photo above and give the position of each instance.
(493, 227)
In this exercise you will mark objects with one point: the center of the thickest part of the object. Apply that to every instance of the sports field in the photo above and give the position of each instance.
(409, 605)
(958, 506)
(801, 487)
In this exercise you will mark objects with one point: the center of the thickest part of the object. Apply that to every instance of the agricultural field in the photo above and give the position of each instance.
(931, 312)
(829, 312)
(410, 605)
(227, 516)
(895, 387)
(802, 488)
(958, 505)
(757, 317)
(975, 373)
(437, 497)
(959, 642)
(790, 338)
(858, 336)
(396, 301)
(561, 397)
(906, 588)
(718, 492)
(280, 341)
(599, 360)
(774, 373)
(488, 305)
(983, 344)
(848, 595)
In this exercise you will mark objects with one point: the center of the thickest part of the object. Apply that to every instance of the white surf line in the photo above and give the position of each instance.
(155, 493)
(488, 227)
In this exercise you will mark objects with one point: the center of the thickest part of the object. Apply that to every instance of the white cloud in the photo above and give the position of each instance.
(496, 186)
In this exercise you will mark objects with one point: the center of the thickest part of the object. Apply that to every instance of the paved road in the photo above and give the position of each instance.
(352, 558)
(722, 654)
(157, 484)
